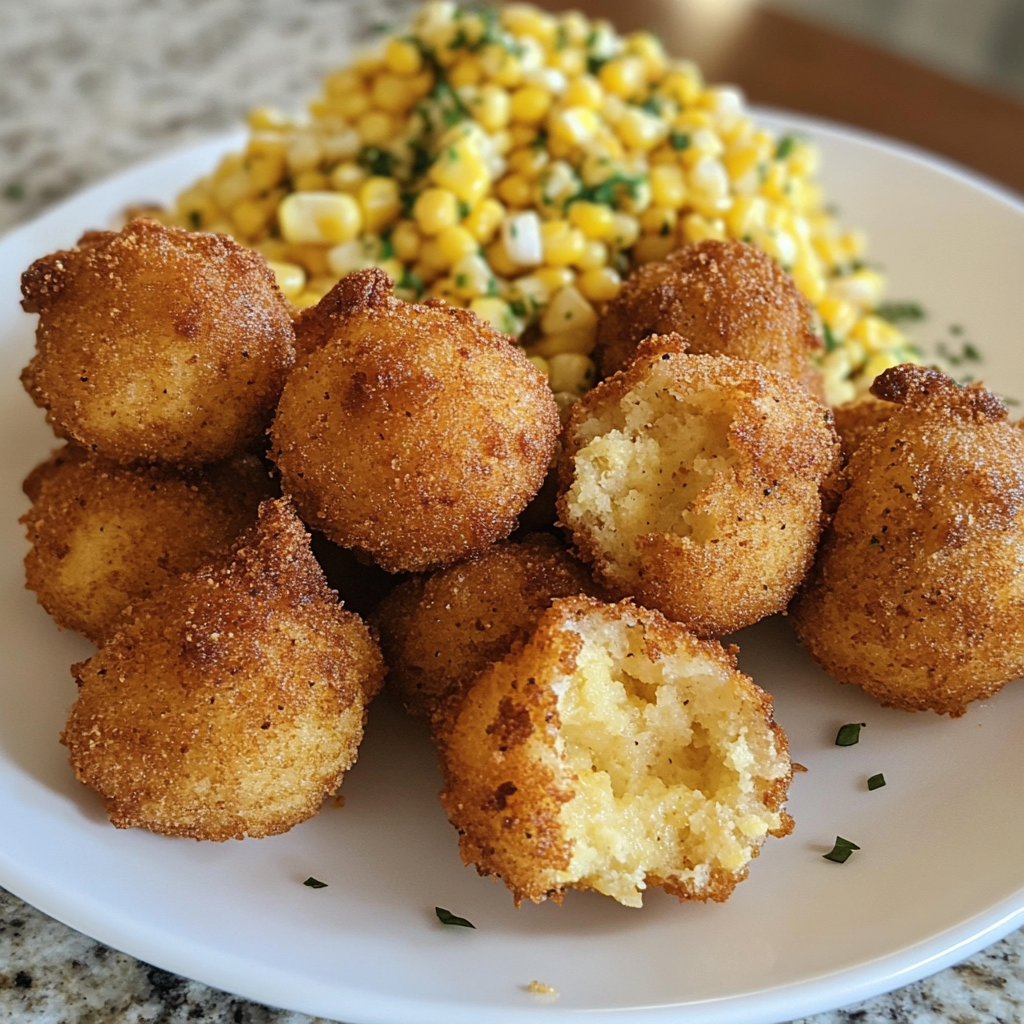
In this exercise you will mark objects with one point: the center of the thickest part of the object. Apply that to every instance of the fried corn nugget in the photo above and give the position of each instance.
(855, 420)
(724, 298)
(614, 751)
(695, 484)
(105, 535)
(157, 344)
(917, 594)
(233, 700)
(439, 632)
(416, 434)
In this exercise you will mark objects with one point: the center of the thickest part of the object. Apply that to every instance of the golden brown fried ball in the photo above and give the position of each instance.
(232, 701)
(918, 591)
(416, 434)
(695, 484)
(104, 536)
(855, 420)
(724, 298)
(438, 633)
(157, 344)
(614, 751)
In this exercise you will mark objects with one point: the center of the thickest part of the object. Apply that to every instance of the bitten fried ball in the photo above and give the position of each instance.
(695, 484)
(440, 632)
(724, 298)
(105, 535)
(233, 700)
(416, 434)
(157, 344)
(917, 594)
(614, 751)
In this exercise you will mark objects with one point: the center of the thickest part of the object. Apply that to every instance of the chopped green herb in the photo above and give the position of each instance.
(786, 145)
(315, 883)
(461, 280)
(971, 354)
(387, 249)
(840, 853)
(1010, 401)
(408, 202)
(14, 191)
(665, 230)
(195, 220)
(411, 281)
(849, 734)
(831, 343)
(377, 161)
(382, 28)
(447, 917)
(594, 64)
(561, 38)
(464, 209)
(900, 312)
(679, 140)
(876, 781)
(955, 329)
(540, 140)
(492, 289)
(967, 354)
(518, 308)
(652, 105)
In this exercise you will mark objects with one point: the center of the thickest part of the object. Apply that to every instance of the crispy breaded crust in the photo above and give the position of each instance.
(736, 540)
(917, 594)
(416, 434)
(724, 298)
(157, 344)
(507, 780)
(855, 420)
(439, 632)
(105, 535)
(232, 701)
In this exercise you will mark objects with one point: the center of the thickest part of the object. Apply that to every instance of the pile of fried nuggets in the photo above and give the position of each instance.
(592, 730)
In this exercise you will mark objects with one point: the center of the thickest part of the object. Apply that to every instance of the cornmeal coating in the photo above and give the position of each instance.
(917, 594)
(724, 298)
(231, 702)
(614, 751)
(415, 434)
(439, 632)
(104, 535)
(697, 485)
(157, 344)
(855, 420)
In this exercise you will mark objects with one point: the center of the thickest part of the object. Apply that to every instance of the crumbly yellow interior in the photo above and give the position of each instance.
(645, 465)
(672, 764)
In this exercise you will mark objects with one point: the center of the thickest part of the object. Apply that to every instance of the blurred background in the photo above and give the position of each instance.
(91, 87)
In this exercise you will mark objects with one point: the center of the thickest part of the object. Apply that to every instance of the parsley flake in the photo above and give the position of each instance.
(786, 145)
(876, 781)
(14, 191)
(840, 853)
(849, 734)
(447, 917)
(314, 883)
(900, 312)
(831, 343)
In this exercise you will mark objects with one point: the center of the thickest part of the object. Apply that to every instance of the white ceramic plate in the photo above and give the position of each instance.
(939, 874)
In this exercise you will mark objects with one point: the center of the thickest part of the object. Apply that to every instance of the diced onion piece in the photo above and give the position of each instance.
(568, 310)
(521, 237)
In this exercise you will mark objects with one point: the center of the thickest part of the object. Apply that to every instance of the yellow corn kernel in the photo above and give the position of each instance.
(571, 372)
(342, 83)
(593, 219)
(232, 189)
(496, 312)
(406, 239)
(741, 160)
(808, 277)
(653, 247)
(641, 131)
(623, 76)
(584, 91)
(461, 168)
(381, 202)
(312, 257)
(251, 216)
(501, 66)
(562, 243)
(484, 220)
(526, 20)
(431, 256)
(683, 83)
(594, 255)
(311, 181)
(467, 71)
(625, 230)
(839, 314)
(530, 104)
(376, 128)
(392, 93)
(266, 170)
(500, 262)
(659, 220)
(649, 49)
(568, 310)
(435, 209)
(853, 243)
(444, 288)
(879, 363)
(267, 118)
(747, 217)
(324, 217)
(472, 276)
(554, 278)
(573, 126)
(528, 161)
(305, 299)
(582, 342)
(347, 177)
(403, 56)
(876, 334)
(353, 105)
(696, 228)
(515, 190)
(863, 288)
(668, 186)
(709, 187)
(455, 242)
(392, 267)
(541, 364)
(601, 284)
(491, 107)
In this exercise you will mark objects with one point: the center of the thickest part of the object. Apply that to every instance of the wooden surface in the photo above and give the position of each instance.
(781, 61)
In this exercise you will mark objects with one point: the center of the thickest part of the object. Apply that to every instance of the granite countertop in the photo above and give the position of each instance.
(90, 87)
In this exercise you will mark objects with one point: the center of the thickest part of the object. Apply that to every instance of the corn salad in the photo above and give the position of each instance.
(519, 164)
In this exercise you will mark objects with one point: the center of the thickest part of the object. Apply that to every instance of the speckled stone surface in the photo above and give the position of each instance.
(90, 87)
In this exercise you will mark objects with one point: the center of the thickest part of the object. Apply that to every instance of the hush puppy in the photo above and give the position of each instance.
(855, 420)
(233, 700)
(724, 298)
(917, 594)
(439, 632)
(614, 751)
(415, 434)
(157, 344)
(105, 535)
(695, 484)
